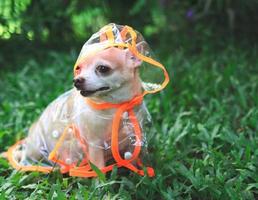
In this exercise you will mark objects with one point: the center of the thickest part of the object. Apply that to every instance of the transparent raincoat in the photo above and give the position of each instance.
(57, 139)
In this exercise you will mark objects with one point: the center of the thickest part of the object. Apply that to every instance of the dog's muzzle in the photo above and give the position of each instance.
(87, 93)
(79, 83)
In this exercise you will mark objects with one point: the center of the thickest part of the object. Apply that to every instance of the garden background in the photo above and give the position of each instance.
(206, 145)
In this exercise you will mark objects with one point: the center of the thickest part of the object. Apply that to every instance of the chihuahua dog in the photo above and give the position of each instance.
(110, 75)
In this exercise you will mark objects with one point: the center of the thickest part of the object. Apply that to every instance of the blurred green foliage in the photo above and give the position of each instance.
(207, 142)
(66, 24)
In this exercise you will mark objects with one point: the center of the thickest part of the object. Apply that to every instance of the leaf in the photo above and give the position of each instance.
(4, 163)
(30, 186)
(251, 186)
(100, 174)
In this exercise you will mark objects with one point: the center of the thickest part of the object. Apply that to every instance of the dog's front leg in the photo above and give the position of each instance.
(96, 156)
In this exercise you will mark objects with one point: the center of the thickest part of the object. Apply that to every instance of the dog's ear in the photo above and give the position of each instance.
(132, 60)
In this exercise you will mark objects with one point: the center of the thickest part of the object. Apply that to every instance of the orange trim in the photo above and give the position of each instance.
(86, 171)
(123, 33)
(153, 62)
(58, 144)
(17, 166)
(110, 34)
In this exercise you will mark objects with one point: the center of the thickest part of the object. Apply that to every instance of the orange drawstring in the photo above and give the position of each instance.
(121, 108)
(120, 162)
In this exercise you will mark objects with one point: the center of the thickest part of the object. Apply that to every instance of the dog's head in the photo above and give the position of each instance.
(111, 72)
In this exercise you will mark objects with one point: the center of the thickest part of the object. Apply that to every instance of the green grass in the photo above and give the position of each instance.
(206, 145)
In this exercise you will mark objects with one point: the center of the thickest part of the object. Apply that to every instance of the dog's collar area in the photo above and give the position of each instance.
(137, 100)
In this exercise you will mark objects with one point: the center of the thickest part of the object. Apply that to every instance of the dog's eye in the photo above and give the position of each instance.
(103, 69)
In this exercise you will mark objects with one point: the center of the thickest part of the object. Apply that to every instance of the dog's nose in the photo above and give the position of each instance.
(79, 82)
